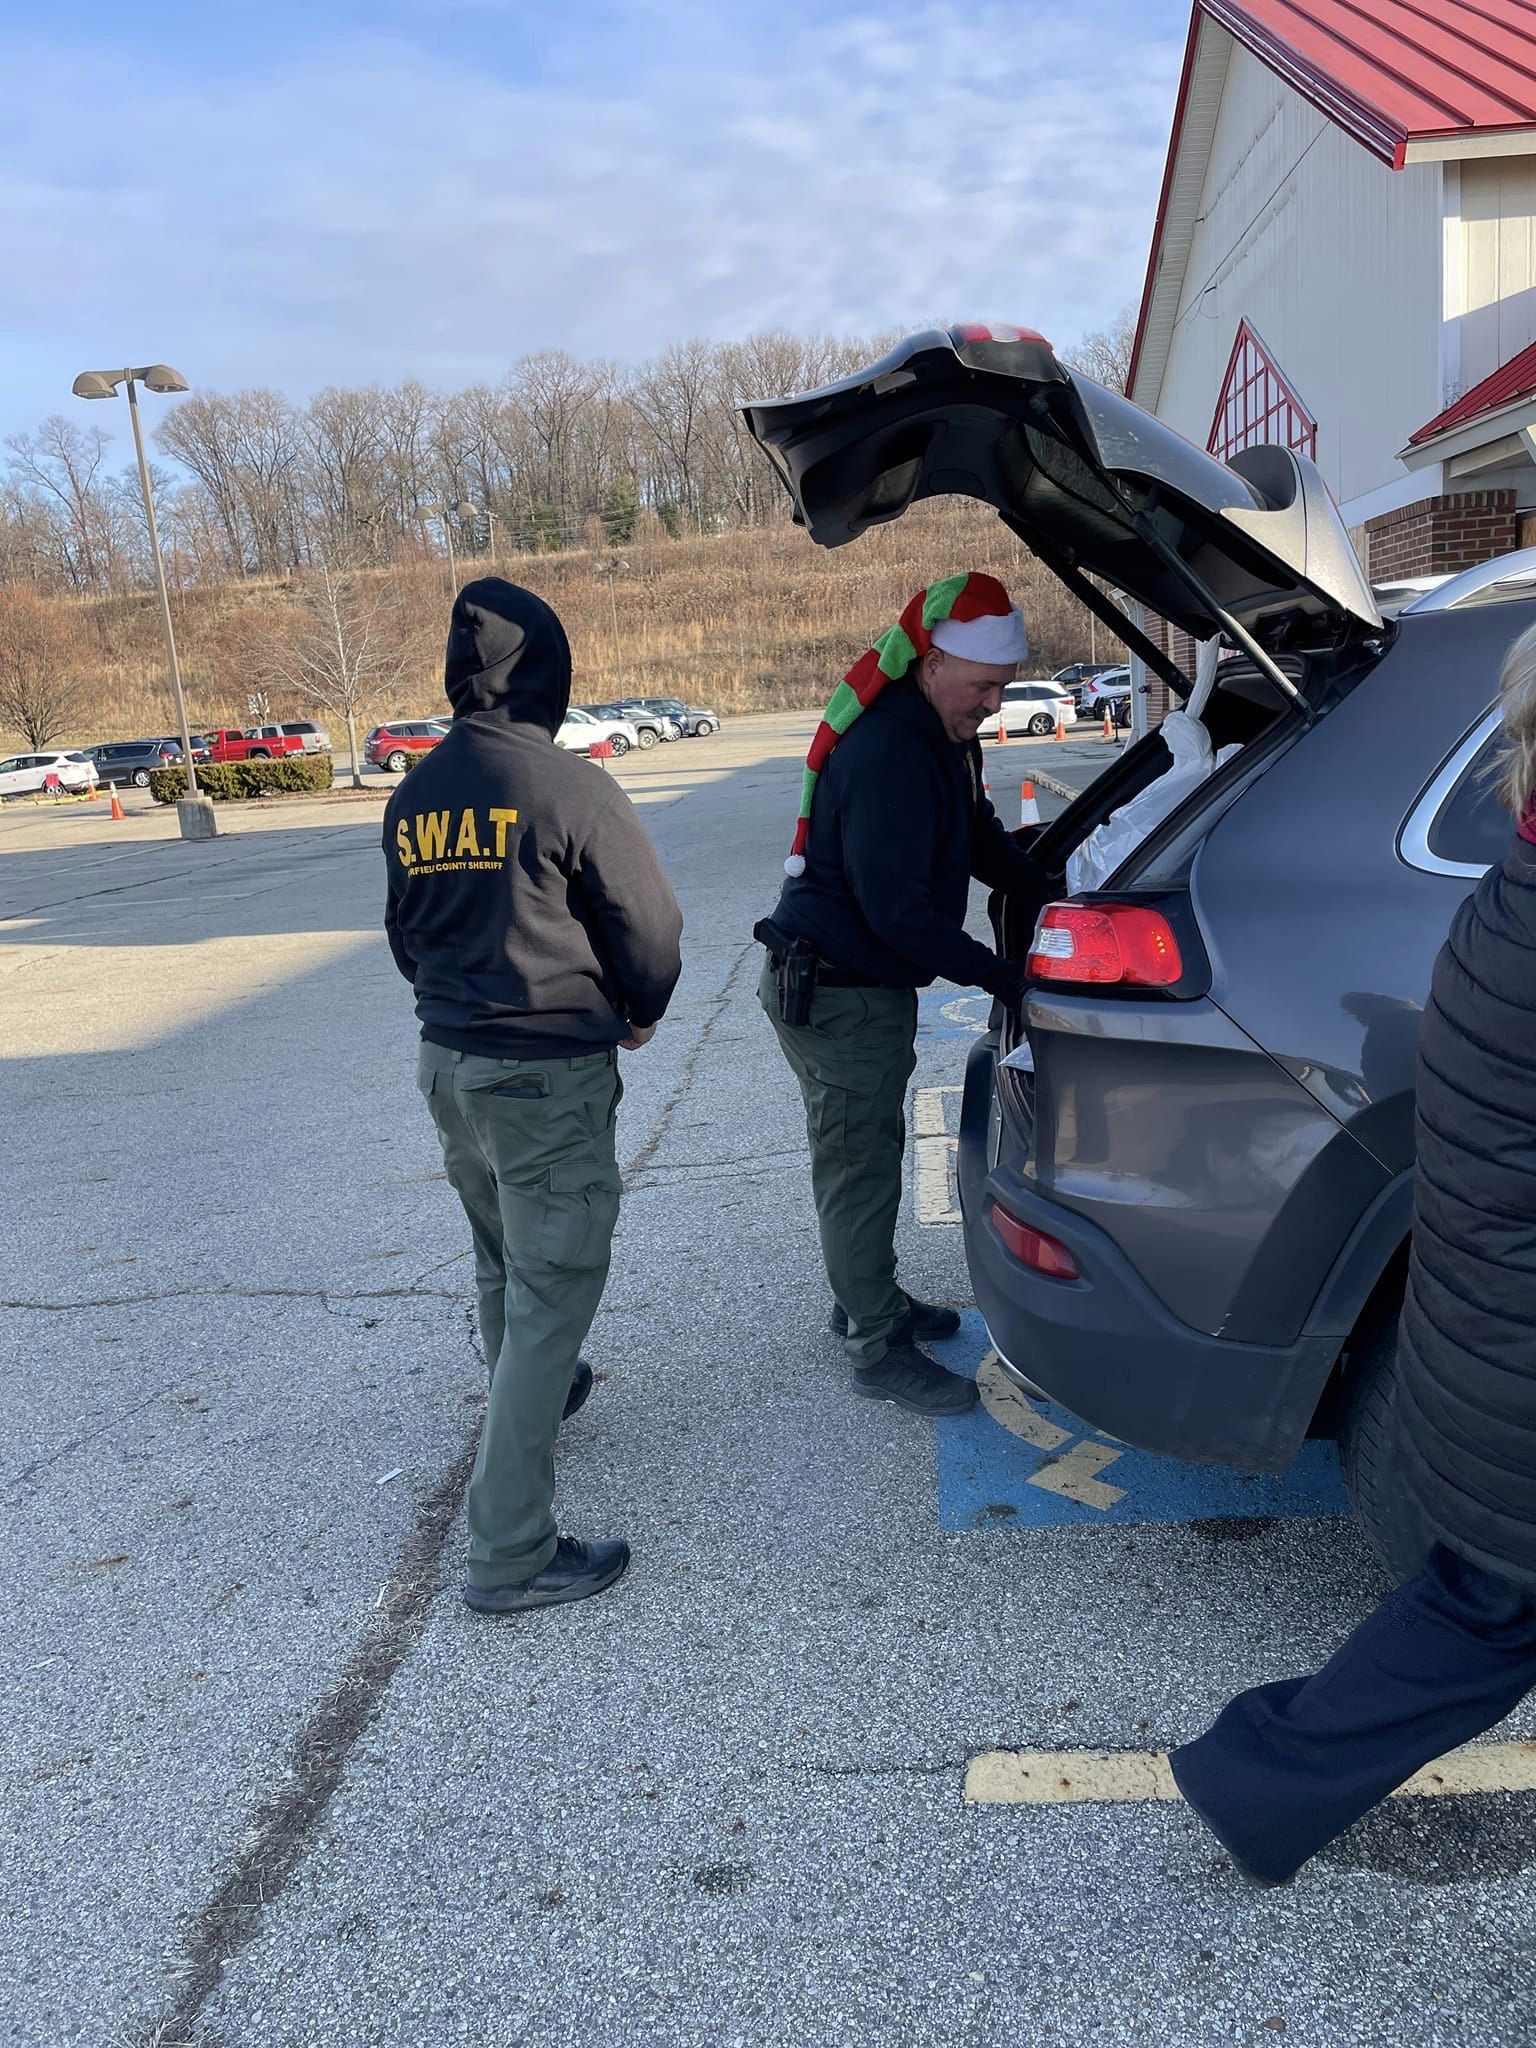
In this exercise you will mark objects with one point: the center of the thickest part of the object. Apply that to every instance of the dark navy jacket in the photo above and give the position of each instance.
(899, 826)
(1466, 1400)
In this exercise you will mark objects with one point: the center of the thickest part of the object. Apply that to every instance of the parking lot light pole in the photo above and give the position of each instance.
(613, 567)
(196, 814)
(463, 511)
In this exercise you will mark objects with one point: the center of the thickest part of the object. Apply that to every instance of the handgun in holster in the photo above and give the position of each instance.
(794, 967)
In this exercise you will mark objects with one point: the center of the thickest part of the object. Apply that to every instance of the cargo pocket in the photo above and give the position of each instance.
(581, 1206)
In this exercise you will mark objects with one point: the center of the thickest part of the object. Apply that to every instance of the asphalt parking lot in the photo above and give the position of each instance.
(269, 1785)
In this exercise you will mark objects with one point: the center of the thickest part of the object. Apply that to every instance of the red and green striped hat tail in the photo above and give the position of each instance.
(893, 654)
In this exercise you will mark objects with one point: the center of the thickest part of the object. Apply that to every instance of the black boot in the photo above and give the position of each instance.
(912, 1379)
(574, 1572)
(581, 1386)
(929, 1322)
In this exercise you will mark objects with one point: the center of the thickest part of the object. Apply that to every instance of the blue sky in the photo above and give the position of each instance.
(302, 195)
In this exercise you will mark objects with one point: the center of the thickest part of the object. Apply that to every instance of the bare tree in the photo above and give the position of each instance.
(62, 465)
(1105, 354)
(341, 650)
(39, 672)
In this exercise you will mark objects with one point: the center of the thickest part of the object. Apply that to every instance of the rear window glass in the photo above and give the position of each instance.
(1472, 826)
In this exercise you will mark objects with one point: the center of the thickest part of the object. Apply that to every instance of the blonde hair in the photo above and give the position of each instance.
(1517, 756)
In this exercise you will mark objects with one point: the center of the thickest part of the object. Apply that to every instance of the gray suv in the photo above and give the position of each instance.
(1186, 1159)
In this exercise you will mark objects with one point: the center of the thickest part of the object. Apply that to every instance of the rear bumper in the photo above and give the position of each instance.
(1105, 1347)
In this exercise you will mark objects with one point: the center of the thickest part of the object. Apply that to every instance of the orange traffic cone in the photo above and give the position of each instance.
(1002, 730)
(1029, 810)
(1109, 724)
(1061, 727)
(117, 806)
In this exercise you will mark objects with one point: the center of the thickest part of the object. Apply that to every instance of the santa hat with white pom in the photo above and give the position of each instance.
(969, 616)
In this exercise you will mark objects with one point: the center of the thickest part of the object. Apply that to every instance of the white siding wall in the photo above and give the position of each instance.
(1495, 293)
(1335, 259)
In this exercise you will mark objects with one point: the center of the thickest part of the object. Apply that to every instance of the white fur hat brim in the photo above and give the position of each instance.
(997, 639)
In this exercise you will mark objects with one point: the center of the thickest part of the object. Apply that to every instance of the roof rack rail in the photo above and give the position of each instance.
(1518, 570)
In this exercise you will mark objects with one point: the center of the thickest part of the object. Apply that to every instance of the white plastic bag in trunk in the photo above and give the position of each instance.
(1187, 740)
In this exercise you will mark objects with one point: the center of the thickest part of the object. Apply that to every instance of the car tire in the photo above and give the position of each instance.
(1040, 725)
(258, 754)
(648, 739)
(397, 763)
(141, 778)
(1367, 1447)
(619, 744)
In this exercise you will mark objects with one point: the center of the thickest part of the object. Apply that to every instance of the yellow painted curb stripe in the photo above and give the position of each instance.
(1075, 1777)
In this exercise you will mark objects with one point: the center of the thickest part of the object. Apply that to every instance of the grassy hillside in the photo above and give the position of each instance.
(749, 621)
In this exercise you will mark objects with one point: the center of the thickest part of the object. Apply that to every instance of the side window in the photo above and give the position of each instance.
(1472, 826)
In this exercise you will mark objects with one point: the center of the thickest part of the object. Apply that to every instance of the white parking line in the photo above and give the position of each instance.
(933, 1158)
(1075, 1777)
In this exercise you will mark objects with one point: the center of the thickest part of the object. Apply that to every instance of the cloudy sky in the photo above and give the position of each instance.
(328, 191)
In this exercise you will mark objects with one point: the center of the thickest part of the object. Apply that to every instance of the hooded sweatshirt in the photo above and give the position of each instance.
(526, 905)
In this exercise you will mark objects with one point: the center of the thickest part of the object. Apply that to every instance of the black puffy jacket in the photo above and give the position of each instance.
(1466, 1401)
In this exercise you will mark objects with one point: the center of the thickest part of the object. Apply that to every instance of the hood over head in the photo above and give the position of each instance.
(507, 653)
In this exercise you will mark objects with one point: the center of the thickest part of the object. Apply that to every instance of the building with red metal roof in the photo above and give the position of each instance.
(1345, 261)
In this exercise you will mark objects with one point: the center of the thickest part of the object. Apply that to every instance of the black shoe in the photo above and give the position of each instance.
(576, 1570)
(912, 1379)
(1245, 1870)
(581, 1386)
(929, 1322)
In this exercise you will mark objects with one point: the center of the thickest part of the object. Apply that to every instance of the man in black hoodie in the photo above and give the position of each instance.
(527, 909)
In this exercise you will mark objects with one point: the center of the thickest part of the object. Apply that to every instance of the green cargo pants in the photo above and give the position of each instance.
(853, 1062)
(528, 1145)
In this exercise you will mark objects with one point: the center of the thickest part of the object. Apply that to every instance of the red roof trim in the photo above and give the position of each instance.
(1508, 384)
(1163, 197)
(1367, 124)
(1389, 73)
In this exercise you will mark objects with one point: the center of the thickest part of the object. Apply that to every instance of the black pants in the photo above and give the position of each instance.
(1288, 1766)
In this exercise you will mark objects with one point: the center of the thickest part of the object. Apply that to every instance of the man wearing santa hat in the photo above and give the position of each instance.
(894, 824)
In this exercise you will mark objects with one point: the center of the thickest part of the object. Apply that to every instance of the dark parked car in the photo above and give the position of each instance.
(649, 725)
(135, 760)
(695, 722)
(1076, 673)
(1186, 1161)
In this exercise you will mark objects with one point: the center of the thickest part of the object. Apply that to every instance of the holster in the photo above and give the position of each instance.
(795, 967)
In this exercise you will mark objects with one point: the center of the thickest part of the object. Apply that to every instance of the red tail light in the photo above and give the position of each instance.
(1106, 942)
(982, 330)
(1033, 1248)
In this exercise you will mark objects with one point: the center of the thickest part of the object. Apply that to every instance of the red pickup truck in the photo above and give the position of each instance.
(256, 743)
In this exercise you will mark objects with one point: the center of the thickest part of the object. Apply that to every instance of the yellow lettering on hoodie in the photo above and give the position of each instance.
(469, 838)
(403, 844)
(501, 820)
(432, 834)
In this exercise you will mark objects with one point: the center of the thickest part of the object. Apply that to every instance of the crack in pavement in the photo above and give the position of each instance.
(714, 1011)
(275, 1841)
(326, 1296)
(328, 1300)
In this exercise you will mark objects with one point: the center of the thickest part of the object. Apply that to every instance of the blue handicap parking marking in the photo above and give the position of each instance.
(947, 1012)
(1013, 1461)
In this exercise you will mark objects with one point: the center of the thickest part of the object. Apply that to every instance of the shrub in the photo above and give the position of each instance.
(290, 775)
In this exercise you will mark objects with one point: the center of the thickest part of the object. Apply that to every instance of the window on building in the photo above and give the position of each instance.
(1258, 403)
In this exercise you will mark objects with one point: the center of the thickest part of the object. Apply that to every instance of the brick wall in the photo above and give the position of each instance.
(1438, 536)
